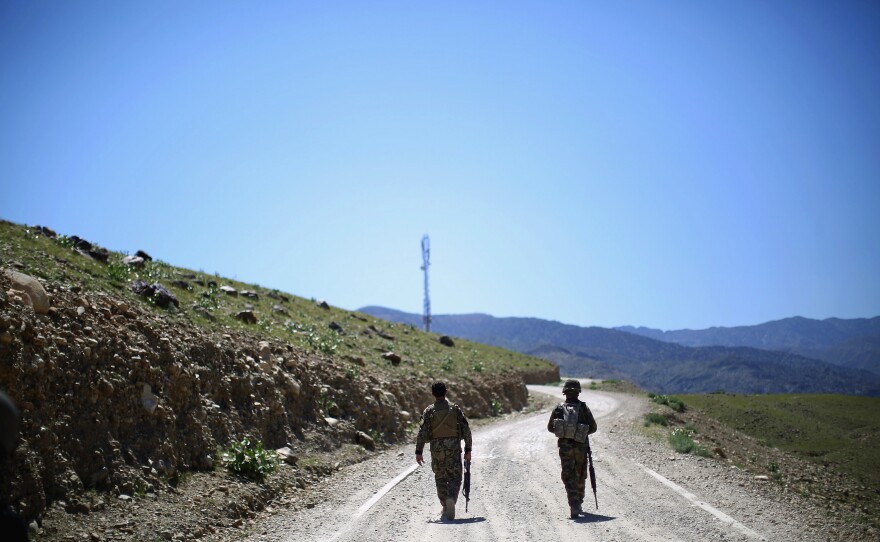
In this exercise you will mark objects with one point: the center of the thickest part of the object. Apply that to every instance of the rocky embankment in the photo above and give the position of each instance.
(118, 397)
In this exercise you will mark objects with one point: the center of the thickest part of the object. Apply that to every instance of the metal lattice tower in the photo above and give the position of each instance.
(426, 261)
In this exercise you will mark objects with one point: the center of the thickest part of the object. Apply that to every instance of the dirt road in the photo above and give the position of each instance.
(646, 492)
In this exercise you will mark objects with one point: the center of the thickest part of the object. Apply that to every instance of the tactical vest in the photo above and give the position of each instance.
(568, 426)
(444, 423)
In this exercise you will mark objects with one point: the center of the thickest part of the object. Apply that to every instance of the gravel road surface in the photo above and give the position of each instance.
(646, 492)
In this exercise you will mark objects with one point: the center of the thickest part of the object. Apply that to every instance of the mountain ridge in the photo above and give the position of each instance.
(658, 365)
(853, 343)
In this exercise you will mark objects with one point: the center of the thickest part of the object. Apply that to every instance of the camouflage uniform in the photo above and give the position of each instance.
(439, 422)
(573, 454)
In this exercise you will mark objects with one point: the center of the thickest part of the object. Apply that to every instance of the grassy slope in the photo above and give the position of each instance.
(826, 429)
(305, 323)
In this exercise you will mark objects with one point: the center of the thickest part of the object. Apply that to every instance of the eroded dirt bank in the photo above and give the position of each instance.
(120, 401)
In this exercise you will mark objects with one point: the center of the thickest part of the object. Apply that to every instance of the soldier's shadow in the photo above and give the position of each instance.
(462, 521)
(587, 517)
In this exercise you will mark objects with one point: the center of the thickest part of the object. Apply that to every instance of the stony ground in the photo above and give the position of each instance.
(217, 506)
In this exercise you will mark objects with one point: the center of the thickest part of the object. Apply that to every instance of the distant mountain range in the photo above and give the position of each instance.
(851, 343)
(657, 361)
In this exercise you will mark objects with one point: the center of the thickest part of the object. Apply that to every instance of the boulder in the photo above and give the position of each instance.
(248, 317)
(133, 261)
(80, 243)
(277, 295)
(337, 328)
(286, 455)
(323, 304)
(382, 334)
(99, 253)
(26, 284)
(203, 311)
(364, 440)
(447, 341)
(250, 294)
(229, 290)
(265, 350)
(144, 255)
(48, 232)
(155, 292)
(148, 399)
(392, 357)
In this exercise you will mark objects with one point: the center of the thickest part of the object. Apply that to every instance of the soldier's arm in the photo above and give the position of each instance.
(424, 434)
(589, 419)
(465, 428)
(555, 415)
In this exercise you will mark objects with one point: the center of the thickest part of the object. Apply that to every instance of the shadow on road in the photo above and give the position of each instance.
(593, 518)
(464, 521)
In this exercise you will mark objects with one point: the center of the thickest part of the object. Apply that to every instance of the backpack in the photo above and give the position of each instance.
(568, 426)
(444, 423)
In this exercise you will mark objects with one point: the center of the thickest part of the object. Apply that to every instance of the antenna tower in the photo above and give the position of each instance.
(426, 261)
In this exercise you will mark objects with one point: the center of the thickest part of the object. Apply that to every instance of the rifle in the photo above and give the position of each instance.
(467, 484)
(592, 477)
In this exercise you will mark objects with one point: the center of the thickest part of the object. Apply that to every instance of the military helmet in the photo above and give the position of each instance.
(573, 386)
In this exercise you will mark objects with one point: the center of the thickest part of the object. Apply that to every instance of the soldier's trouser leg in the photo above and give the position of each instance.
(446, 465)
(574, 473)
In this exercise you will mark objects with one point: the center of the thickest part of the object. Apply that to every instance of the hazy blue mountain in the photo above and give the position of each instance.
(657, 365)
(853, 343)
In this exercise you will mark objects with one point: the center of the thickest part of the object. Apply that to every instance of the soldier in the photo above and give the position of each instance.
(572, 422)
(444, 426)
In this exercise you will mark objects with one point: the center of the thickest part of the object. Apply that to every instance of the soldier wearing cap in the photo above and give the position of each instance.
(444, 426)
(573, 422)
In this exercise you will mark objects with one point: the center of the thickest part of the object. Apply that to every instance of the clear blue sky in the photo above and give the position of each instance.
(668, 164)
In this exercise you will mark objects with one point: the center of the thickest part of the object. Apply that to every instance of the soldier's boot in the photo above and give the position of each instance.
(574, 510)
(450, 508)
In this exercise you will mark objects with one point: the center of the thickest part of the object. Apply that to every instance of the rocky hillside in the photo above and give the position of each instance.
(130, 372)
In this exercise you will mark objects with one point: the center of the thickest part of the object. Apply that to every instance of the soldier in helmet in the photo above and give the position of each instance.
(573, 422)
(444, 426)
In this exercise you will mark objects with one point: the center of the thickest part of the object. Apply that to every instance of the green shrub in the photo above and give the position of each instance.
(325, 403)
(682, 441)
(320, 342)
(655, 417)
(64, 241)
(326, 344)
(209, 299)
(495, 405)
(775, 473)
(249, 459)
(672, 402)
(155, 271)
(118, 272)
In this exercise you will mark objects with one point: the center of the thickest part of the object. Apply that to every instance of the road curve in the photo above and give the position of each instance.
(517, 494)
